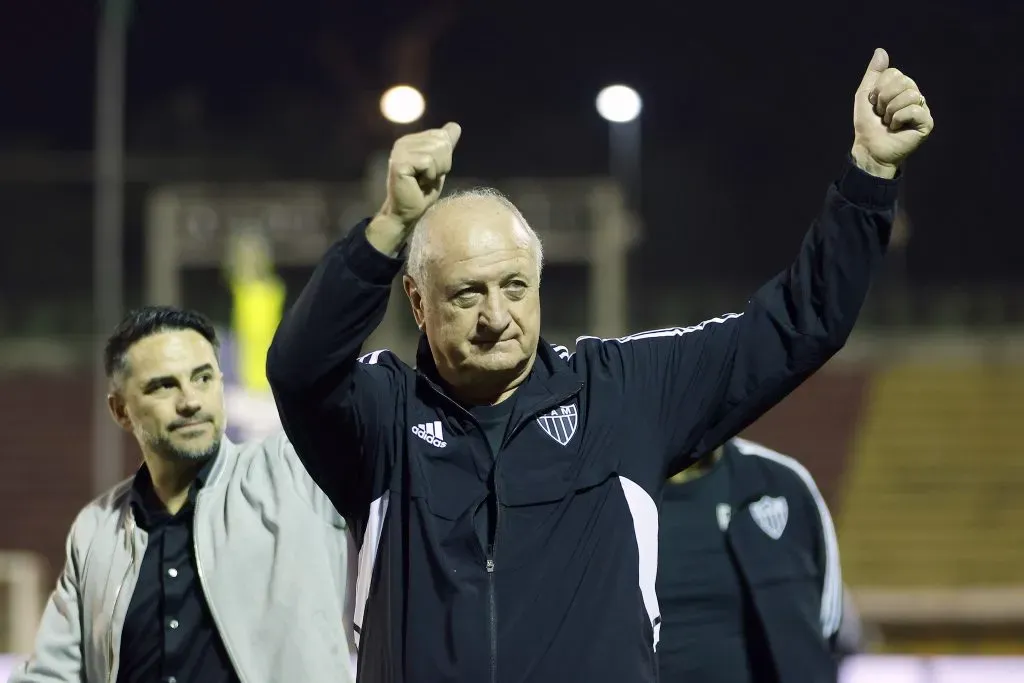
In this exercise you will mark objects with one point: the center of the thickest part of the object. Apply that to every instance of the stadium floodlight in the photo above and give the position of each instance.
(619, 104)
(402, 104)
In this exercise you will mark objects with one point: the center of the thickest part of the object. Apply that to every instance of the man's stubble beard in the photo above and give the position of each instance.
(162, 446)
(169, 451)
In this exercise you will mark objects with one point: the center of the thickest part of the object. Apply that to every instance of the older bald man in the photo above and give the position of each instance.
(504, 490)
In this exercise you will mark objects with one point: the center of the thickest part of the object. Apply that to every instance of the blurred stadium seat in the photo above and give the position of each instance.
(23, 576)
(917, 443)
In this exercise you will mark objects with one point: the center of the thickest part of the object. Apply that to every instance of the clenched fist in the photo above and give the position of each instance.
(890, 118)
(416, 171)
(417, 168)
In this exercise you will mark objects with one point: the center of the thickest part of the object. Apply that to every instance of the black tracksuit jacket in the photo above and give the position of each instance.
(568, 591)
(793, 579)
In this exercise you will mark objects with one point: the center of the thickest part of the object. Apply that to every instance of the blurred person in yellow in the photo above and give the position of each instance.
(258, 302)
(216, 562)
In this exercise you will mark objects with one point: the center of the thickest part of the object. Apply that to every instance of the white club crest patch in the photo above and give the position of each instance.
(771, 514)
(724, 514)
(560, 423)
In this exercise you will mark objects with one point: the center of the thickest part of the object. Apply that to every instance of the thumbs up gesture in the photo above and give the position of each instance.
(418, 166)
(890, 118)
(417, 169)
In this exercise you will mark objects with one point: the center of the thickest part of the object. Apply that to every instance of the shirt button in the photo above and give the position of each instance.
(173, 623)
(172, 572)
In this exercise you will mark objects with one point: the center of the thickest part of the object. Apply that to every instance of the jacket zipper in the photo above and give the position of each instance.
(492, 600)
(492, 610)
(209, 598)
(129, 536)
(491, 590)
(492, 597)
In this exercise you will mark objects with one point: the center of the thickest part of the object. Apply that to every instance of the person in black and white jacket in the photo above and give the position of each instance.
(503, 492)
(749, 580)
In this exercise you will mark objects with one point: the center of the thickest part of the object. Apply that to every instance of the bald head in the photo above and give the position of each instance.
(465, 223)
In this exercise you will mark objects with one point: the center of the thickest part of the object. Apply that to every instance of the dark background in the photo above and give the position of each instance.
(747, 116)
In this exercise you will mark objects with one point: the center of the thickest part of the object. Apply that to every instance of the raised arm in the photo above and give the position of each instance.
(337, 411)
(58, 656)
(701, 385)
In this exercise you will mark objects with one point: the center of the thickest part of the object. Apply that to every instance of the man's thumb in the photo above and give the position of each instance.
(454, 131)
(879, 63)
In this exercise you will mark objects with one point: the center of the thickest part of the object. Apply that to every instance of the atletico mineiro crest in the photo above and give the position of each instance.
(560, 423)
(771, 514)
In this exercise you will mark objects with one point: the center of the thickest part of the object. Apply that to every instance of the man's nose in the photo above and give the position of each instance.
(189, 403)
(495, 314)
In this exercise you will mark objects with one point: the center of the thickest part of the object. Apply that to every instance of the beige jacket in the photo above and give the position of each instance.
(275, 561)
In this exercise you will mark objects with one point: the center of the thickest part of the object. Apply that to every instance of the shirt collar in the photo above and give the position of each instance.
(148, 508)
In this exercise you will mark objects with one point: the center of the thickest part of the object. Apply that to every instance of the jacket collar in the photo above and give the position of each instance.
(227, 452)
(551, 381)
(142, 483)
(147, 507)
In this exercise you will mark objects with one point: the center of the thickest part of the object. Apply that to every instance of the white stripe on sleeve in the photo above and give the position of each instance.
(832, 589)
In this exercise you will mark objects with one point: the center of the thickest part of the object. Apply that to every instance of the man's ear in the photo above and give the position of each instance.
(119, 410)
(412, 291)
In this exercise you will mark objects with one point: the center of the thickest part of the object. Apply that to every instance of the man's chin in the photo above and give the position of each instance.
(195, 456)
(497, 360)
(194, 452)
(496, 366)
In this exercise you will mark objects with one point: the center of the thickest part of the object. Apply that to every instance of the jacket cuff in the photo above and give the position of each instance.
(866, 190)
(363, 259)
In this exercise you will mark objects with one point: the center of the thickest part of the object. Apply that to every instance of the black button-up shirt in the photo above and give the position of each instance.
(169, 635)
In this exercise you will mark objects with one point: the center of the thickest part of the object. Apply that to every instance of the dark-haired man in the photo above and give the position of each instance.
(216, 562)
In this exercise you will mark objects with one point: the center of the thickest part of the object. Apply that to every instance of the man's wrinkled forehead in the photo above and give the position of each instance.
(476, 227)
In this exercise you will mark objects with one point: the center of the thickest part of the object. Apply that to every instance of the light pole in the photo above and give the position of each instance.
(108, 230)
(620, 106)
(401, 105)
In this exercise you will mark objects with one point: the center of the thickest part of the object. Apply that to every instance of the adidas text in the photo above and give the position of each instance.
(431, 433)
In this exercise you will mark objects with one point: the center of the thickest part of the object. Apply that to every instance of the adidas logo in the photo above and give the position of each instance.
(431, 433)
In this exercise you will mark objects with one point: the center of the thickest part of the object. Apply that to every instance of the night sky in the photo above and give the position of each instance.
(747, 108)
